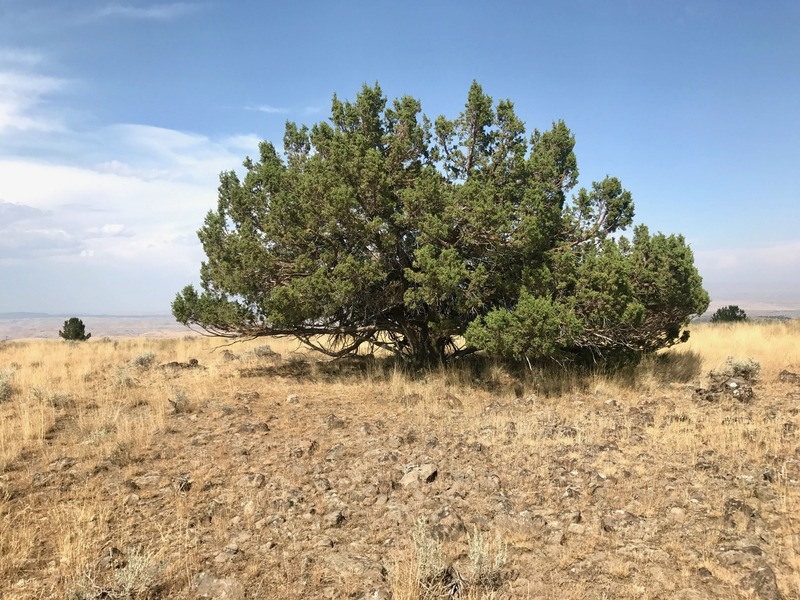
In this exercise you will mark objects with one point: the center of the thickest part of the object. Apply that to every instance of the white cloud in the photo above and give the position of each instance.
(109, 230)
(268, 109)
(154, 12)
(36, 243)
(22, 96)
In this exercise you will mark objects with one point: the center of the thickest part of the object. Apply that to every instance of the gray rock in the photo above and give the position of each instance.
(789, 377)
(426, 473)
(555, 538)
(208, 586)
(762, 583)
(447, 525)
(334, 422)
(149, 480)
(678, 514)
(335, 453)
(764, 493)
(335, 518)
(619, 519)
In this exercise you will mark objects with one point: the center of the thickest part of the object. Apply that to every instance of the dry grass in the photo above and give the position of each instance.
(78, 421)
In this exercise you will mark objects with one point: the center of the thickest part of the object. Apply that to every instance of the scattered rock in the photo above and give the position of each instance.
(762, 583)
(410, 399)
(254, 480)
(334, 422)
(191, 364)
(229, 356)
(704, 573)
(62, 464)
(677, 514)
(426, 473)
(789, 377)
(447, 525)
(149, 480)
(619, 519)
(264, 351)
(555, 538)
(733, 387)
(335, 519)
(765, 493)
(208, 586)
(451, 401)
(335, 453)
(739, 513)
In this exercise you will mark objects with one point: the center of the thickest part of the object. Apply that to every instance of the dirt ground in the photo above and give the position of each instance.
(254, 475)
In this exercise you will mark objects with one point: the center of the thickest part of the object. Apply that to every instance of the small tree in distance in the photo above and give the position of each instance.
(74, 331)
(729, 314)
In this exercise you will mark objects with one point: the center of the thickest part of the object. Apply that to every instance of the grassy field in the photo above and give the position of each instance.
(274, 474)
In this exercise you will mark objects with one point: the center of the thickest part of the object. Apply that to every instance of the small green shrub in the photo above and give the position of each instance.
(486, 559)
(124, 379)
(264, 351)
(144, 360)
(7, 388)
(729, 314)
(429, 553)
(748, 369)
(140, 577)
(74, 330)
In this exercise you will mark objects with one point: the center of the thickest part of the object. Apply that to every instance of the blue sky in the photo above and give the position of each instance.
(117, 117)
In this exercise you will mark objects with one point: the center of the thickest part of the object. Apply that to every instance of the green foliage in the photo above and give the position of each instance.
(144, 360)
(729, 314)
(748, 369)
(74, 330)
(432, 240)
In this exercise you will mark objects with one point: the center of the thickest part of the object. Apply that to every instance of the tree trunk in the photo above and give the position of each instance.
(423, 349)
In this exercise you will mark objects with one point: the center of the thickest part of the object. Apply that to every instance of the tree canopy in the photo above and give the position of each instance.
(74, 330)
(729, 314)
(435, 239)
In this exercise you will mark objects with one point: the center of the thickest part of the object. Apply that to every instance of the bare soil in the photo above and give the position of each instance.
(274, 477)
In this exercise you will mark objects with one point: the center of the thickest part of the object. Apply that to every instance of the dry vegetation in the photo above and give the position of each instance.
(252, 475)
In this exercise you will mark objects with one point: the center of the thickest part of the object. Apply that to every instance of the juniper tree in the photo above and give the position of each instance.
(729, 314)
(74, 330)
(381, 228)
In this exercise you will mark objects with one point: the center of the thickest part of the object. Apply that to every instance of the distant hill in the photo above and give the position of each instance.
(20, 325)
(23, 315)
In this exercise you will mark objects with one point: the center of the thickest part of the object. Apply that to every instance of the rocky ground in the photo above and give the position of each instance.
(279, 481)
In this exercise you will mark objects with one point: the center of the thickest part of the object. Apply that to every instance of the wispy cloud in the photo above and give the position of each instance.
(17, 57)
(268, 109)
(23, 93)
(154, 12)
